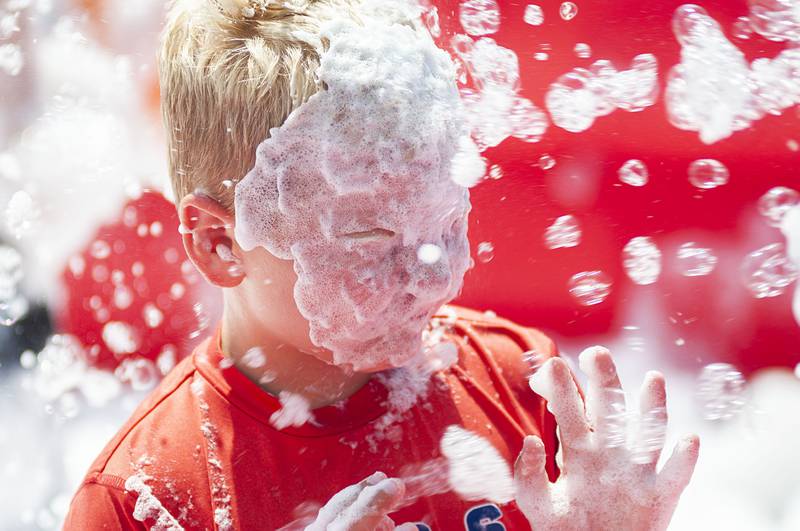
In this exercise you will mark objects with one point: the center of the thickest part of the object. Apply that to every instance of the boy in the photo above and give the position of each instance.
(344, 233)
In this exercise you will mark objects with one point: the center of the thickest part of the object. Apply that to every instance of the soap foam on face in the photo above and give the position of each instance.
(356, 180)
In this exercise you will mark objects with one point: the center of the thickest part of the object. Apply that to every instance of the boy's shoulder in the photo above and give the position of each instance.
(162, 428)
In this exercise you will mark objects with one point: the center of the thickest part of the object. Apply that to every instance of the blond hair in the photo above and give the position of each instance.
(230, 71)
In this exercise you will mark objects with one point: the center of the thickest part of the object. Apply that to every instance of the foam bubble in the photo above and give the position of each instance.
(582, 95)
(362, 175)
(714, 90)
(477, 471)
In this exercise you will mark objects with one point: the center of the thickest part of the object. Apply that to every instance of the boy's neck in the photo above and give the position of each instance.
(287, 368)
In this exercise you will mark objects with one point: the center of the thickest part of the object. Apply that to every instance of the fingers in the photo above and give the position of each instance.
(652, 429)
(605, 399)
(553, 381)
(342, 500)
(678, 470)
(531, 485)
(368, 512)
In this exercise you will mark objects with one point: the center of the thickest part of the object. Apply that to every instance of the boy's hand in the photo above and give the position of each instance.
(606, 483)
(363, 506)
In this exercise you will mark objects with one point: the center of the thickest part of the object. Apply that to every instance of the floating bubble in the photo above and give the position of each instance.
(720, 390)
(547, 162)
(153, 317)
(590, 287)
(651, 435)
(495, 172)
(642, 260)
(767, 272)
(528, 122)
(11, 59)
(533, 15)
(541, 56)
(568, 10)
(166, 359)
(485, 252)
(100, 249)
(479, 17)
(777, 20)
(27, 359)
(582, 95)
(563, 233)
(141, 373)
(695, 261)
(120, 338)
(708, 173)
(634, 172)
(583, 50)
(776, 203)
(429, 253)
(21, 213)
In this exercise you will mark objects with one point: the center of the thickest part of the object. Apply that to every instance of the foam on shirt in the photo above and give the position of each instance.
(356, 180)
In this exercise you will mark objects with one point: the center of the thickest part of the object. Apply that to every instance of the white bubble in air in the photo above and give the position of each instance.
(768, 272)
(694, 261)
(642, 260)
(720, 389)
(634, 172)
(533, 15)
(774, 204)
(568, 10)
(708, 173)
(485, 252)
(563, 233)
(589, 288)
(479, 17)
(583, 50)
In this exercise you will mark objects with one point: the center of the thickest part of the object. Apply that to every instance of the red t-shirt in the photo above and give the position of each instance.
(204, 444)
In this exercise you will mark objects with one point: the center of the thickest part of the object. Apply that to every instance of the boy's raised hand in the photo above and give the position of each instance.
(608, 481)
(362, 507)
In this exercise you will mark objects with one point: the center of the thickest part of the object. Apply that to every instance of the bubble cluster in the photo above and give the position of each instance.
(21, 213)
(494, 108)
(533, 15)
(708, 173)
(694, 261)
(634, 172)
(641, 259)
(140, 373)
(13, 305)
(479, 17)
(714, 90)
(774, 204)
(589, 288)
(11, 59)
(563, 233)
(720, 390)
(768, 272)
(579, 97)
(777, 20)
(323, 192)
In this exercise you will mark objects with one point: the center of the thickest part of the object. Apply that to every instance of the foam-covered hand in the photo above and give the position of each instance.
(608, 477)
(362, 507)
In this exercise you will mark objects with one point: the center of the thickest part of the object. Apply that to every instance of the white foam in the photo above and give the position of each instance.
(714, 91)
(295, 411)
(579, 97)
(371, 151)
(477, 471)
(148, 506)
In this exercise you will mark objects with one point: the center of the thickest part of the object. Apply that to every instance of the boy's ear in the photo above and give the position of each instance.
(207, 229)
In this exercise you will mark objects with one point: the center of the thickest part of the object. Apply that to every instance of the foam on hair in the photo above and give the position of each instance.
(374, 150)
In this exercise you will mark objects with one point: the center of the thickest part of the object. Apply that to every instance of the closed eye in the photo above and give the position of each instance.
(374, 233)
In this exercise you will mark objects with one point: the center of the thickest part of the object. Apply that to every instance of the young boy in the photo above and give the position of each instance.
(314, 152)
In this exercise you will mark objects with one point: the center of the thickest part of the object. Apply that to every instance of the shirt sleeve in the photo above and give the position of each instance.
(99, 506)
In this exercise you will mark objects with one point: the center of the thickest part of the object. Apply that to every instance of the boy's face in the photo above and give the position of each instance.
(352, 186)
